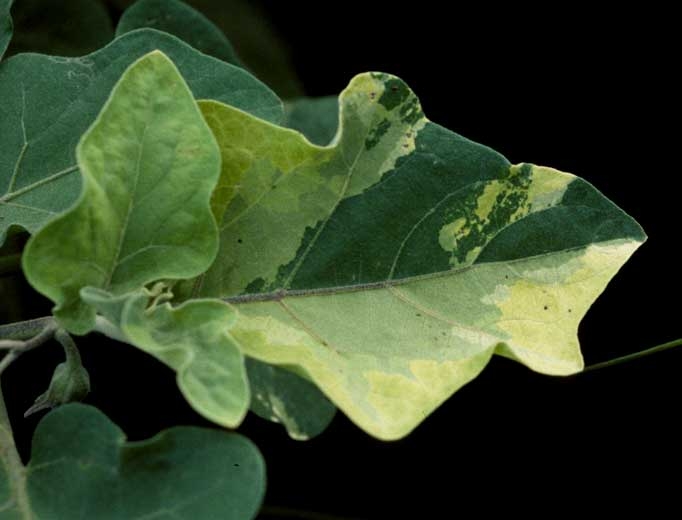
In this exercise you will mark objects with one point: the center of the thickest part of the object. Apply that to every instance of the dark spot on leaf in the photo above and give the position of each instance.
(418, 315)
(570, 310)
(546, 307)
(394, 88)
(239, 240)
(406, 145)
(236, 465)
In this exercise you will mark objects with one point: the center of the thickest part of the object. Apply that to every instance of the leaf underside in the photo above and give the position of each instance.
(391, 265)
(82, 466)
(48, 102)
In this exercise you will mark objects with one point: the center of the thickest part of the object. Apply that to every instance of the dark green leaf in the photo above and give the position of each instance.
(68, 28)
(316, 118)
(49, 102)
(6, 25)
(82, 467)
(281, 396)
(178, 19)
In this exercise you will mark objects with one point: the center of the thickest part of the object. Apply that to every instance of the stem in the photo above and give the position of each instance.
(22, 330)
(17, 348)
(634, 355)
(9, 457)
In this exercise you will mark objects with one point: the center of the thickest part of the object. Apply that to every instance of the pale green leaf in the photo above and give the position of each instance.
(316, 118)
(192, 339)
(391, 265)
(49, 102)
(6, 25)
(149, 164)
(82, 467)
(281, 396)
(178, 19)
(69, 28)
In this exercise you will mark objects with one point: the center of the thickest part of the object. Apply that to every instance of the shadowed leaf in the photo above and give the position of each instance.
(179, 19)
(81, 465)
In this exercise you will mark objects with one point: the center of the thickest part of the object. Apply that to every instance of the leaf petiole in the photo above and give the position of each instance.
(635, 355)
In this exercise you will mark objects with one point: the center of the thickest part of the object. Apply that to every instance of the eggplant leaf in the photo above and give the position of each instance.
(6, 25)
(193, 340)
(316, 118)
(281, 396)
(72, 28)
(82, 467)
(49, 102)
(391, 265)
(179, 19)
(149, 164)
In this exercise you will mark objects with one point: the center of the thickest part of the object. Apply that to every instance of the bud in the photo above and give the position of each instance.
(70, 381)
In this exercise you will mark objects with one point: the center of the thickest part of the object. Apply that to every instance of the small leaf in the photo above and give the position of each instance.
(149, 164)
(389, 266)
(82, 466)
(70, 381)
(281, 396)
(193, 340)
(316, 118)
(179, 19)
(6, 25)
(72, 28)
(49, 102)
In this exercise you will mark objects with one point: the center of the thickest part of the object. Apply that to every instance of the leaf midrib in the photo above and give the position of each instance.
(280, 294)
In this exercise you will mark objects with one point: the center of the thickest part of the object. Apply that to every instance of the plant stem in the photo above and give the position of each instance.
(17, 348)
(22, 330)
(634, 355)
(14, 469)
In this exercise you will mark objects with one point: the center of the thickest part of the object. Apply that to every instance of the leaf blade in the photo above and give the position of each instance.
(6, 25)
(181, 20)
(390, 265)
(50, 102)
(149, 164)
(183, 472)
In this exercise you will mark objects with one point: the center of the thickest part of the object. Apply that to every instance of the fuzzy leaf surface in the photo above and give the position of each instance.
(149, 164)
(82, 467)
(49, 102)
(193, 340)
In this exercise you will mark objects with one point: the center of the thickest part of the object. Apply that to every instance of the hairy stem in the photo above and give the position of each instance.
(14, 470)
(43, 331)
(634, 355)
(23, 330)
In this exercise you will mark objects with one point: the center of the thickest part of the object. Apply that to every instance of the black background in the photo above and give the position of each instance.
(589, 93)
